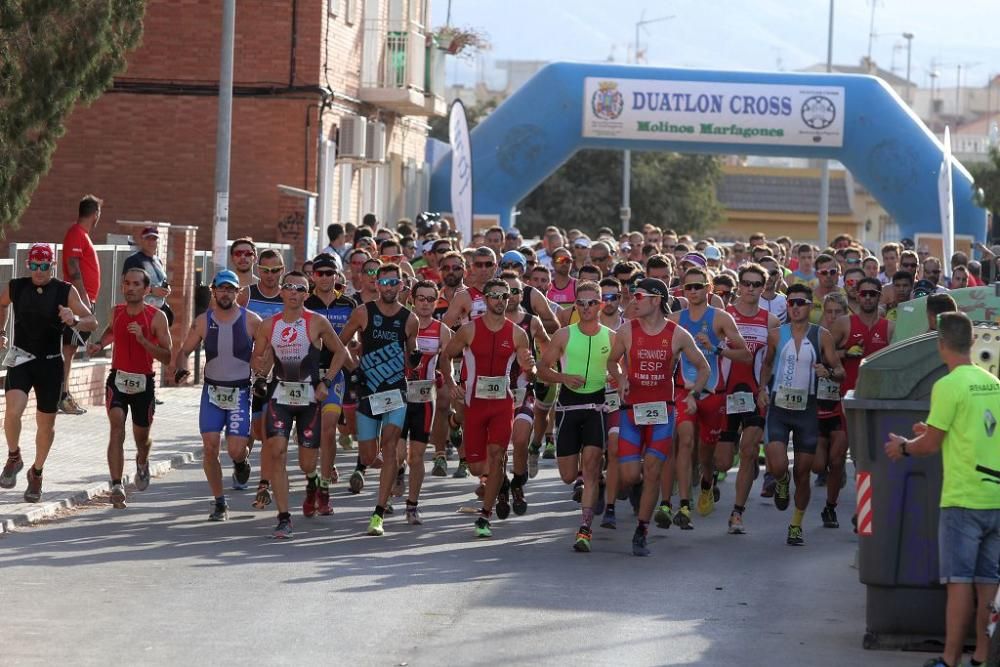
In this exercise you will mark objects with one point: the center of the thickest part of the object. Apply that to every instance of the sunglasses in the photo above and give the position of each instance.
(39, 266)
(325, 273)
(639, 296)
(484, 265)
(389, 282)
(371, 272)
(425, 298)
(934, 273)
(243, 253)
(795, 302)
(361, 263)
(515, 291)
(562, 260)
(497, 295)
(510, 265)
(828, 272)
(587, 303)
(694, 287)
(752, 284)
(295, 287)
(724, 293)
(851, 283)
(853, 260)
(226, 288)
(266, 269)
(870, 293)
(453, 268)
(908, 265)
(609, 298)
(394, 259)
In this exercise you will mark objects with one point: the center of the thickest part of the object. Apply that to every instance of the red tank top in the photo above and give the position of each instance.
(429, 345)
(491, 354)
(754, 332)
(478, 300)
(650, 365)
(127, 354)
(871, 341)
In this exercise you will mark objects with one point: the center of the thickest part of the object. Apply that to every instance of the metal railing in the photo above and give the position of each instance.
(393, 55)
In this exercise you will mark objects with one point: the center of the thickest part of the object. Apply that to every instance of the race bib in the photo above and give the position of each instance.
(225, 398)
(295, 394)
(827, 390)
(645, 414)
(491, 387)
(420, 391)
(612, 401)
(386, 401)
(740, 402)
(16, 356)
(791, 399)
(519, 395)
(428, 345)
(130, 383)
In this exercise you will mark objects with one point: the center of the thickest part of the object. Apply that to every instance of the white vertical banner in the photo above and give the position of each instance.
(461, 170)
(946, 202)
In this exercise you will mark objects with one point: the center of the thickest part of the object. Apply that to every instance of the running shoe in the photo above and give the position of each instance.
(639, 547)
(117, 494)
(683, 519)
(389, 509)
(440, 468)
(375, 526)
(345, 441)
(716, 493)
(462, 471)
(220, 512)
(309, 503)
(609, 520)
(503, 500)
(14, 465)
(821, 478)
(664, 516)
(483, 527)
(720, 475)
(550, 449)
(781, 493)
(323, 502)
(518, 501)
(534, 453)
(582, 543)
(761, 458)
(33, 493)
(795, 536)
(141, 476)
(578, 491)
(283, 530)
(241, 474)
(263, 497)
(936, 662)
(399, 487)
(736, 524)
(357, 482)
(69, 406)
(767, 488)
(829, 516)
(706, 502)
(413, 517)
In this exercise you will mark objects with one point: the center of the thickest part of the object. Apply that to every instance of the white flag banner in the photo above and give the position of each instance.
(947, 205)
(461, 170)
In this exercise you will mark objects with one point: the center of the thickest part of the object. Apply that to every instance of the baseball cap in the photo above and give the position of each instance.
(150, 231)
(923, 288)
(324, 261)
(694, 258)
(227, 277)
(582, 242)
(712, 253)
(514, 256)
(654, 286)
(40, 252)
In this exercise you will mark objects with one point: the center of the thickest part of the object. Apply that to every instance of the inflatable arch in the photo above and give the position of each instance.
(856, 119)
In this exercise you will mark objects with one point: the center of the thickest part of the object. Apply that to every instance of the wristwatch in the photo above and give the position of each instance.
(902, 447)
(328, 382)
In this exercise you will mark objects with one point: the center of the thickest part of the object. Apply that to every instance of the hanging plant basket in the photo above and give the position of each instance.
(462, 42)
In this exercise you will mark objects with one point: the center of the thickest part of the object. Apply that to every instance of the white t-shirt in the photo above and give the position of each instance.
(778, 306)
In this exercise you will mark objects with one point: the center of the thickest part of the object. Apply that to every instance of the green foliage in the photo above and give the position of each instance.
(53, 53)
(669, 190)
(986, 185)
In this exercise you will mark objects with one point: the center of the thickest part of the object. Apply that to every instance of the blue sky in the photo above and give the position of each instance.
(736, 34)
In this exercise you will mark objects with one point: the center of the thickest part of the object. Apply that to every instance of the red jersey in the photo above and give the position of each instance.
(429, 344)
(871, 341)
(127, 354)
(491, 354)
(77, 244)
(478, 302)
(650, 365)
(754, 331)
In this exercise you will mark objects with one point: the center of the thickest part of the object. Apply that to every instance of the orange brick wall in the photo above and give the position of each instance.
(86, 383)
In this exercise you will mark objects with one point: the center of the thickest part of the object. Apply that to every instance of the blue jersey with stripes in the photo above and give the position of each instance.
(227, 349)
(265, 306)
(703, 326)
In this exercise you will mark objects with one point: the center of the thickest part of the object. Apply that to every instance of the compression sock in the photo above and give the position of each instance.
(380, 511)
(797, 517)
(588, 516)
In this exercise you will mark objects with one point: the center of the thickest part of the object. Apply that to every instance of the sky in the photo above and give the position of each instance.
(735, 34)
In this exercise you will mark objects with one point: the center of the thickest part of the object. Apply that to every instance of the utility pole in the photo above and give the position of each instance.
(871, 33)
(908, 36)
(223, 138)
(824, 169)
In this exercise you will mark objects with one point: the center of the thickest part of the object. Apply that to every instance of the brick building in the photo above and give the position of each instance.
(304, 70)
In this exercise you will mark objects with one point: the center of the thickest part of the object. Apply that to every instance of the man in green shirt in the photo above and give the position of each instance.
(962, 425)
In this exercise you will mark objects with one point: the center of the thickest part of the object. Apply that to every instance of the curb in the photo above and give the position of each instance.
(50, 507)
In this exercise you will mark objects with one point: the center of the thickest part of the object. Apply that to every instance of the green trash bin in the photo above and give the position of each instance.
(897, 502)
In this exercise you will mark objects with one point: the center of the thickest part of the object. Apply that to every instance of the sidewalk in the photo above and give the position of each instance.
(77, 468)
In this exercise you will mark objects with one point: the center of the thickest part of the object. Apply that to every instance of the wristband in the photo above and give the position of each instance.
(902, 447)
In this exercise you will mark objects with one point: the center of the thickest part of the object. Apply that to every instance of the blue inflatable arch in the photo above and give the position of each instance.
(855, 119)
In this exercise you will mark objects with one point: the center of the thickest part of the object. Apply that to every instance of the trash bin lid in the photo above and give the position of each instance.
(904, 370)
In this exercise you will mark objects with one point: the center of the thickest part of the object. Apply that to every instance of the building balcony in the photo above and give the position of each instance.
(399, 70)
(970, 148)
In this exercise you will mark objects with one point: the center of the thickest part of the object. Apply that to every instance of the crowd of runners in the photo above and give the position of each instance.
(647, 365)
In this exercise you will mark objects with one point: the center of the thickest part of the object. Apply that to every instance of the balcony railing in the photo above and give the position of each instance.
(393, 55)
(970, 145)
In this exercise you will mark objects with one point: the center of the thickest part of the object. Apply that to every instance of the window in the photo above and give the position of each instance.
(349, 11)
(332, 7)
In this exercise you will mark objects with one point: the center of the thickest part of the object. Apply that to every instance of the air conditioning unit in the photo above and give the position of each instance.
(375, 148)
(353, 138)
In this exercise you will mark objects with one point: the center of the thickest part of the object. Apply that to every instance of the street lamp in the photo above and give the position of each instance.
(908, 36)
(626, 209)
(824, 168)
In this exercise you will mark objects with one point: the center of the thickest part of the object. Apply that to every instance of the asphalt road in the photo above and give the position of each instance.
(158, 584)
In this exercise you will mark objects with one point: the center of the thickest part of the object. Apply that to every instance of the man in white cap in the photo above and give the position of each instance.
(146, 258)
